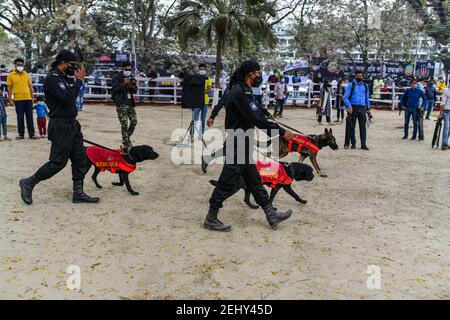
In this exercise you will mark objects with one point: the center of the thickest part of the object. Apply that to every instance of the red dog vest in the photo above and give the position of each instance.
(302, 142)
(109, 160)
(273, 172)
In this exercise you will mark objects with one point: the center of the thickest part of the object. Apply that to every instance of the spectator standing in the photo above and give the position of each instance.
(411, 101)
(340, 105)
(3, 117)
(296, 80)
(357, 102)
(431, 93)
(325, 104)
(280, 96)
(445, 114)
(273, 79)
(377, 84)
(20, 94)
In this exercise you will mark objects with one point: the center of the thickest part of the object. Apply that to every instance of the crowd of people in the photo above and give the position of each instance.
(417, 96)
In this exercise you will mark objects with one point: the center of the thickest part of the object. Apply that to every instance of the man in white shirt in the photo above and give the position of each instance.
(445, 114)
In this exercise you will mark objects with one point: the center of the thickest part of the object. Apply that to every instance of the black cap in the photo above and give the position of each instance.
(249, 66)
(64, 55)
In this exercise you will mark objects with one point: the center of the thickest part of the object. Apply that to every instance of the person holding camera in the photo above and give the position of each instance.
(123, 88)
(61, 87)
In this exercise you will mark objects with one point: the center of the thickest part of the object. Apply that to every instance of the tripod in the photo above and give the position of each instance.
(191, 132)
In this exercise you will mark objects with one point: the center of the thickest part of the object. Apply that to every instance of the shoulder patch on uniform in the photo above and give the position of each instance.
(253, 106)
(62, 85)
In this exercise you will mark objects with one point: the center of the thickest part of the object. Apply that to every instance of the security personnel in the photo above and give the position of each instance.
(242, 115)
(64, 130)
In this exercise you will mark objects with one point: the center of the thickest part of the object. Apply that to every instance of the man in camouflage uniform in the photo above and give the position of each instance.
(123, 88)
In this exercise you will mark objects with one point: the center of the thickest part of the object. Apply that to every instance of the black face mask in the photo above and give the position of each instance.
(70, 70)
(257, 82)
(359, 80)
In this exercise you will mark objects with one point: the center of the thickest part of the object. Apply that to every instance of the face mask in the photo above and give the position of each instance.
(257, 82)
(359, 80)
(127, 73)
(413, 86)
(70, 70)
(202, 72)
(20, 69)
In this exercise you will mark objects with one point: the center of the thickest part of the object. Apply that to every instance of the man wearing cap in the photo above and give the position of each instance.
(61, 87)
(243, 114)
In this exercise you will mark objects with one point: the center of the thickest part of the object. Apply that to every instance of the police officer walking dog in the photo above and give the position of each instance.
(243, 114)
(64, 131)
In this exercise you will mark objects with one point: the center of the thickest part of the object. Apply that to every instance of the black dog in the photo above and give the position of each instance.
(296, 171)
(117, 162)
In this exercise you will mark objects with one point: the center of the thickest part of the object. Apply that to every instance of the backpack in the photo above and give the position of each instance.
(353, 90)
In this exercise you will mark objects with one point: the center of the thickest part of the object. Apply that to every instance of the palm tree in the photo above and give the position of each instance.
(227, 21)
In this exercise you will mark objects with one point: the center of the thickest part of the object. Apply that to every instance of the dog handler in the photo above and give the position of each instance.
(64, 131)
(243, 114)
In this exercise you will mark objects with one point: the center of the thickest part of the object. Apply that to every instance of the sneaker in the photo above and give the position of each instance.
(405, 137)
(6, 138)
(365, 148)
(34, 138)
(444, 147)
(353, 146)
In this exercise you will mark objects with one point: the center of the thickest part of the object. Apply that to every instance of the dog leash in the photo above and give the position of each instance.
(290, 128)
(100, 146)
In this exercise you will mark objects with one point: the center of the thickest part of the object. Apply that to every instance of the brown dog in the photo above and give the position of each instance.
(312, 144)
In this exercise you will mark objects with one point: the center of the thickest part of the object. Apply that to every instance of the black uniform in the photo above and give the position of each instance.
(242, 113)
(64, 131)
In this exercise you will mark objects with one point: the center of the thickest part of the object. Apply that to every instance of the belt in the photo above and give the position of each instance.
(356, 106)
(63, 120)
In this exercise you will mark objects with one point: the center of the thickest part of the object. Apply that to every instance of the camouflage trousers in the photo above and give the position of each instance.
(128, 121)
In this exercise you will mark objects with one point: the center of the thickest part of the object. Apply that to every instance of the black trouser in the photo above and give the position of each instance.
(359, 113)
(229, 183)
(279, 107)
(24, 110)
(340, 114)
(319, 119)
(67, 143)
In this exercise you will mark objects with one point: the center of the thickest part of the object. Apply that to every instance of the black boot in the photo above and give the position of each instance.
(79, 196)
(212, 223)
(26, 188)
(205, 162)
(274, 217)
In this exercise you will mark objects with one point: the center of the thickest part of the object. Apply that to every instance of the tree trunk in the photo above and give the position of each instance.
(218, 60)
(28, 53)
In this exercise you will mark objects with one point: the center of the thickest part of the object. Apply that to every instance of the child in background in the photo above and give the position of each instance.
(41, 110)
(3, 104)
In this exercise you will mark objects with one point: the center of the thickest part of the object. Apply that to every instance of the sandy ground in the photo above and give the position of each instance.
(388, 207)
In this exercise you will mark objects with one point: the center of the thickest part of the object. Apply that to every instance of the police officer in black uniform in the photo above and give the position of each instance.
(64, 130)
(244, 114)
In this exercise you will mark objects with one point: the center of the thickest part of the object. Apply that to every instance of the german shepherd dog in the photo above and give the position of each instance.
(323, 140)
(297, 171)
(135, 155)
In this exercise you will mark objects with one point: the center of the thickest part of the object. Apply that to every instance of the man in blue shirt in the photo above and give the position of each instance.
(356, 99)
(411, 102)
